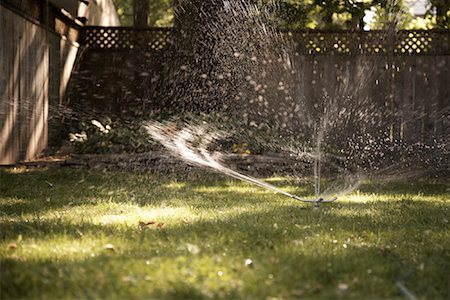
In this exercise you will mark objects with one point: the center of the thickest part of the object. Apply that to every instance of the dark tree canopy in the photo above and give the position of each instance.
(287, 14)
(442, 10)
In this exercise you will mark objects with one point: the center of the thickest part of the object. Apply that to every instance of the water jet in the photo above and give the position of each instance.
(179, 143)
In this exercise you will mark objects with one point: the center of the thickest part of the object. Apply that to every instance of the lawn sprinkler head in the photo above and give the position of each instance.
(315, 201)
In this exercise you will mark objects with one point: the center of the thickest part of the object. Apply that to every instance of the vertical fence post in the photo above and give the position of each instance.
(391, 68)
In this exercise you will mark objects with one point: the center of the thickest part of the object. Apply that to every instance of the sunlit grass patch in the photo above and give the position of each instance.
(92, 234)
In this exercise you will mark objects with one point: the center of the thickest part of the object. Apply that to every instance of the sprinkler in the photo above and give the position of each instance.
(315, 201)
(179, 143)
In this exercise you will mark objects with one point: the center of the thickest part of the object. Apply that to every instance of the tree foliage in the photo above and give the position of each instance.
(306, 14)
(441, 9)
(160, 12)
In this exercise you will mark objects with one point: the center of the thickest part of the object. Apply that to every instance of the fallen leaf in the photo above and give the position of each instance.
(110, 247)
(194, 249)
(129, 279)
(297, 293)
(49, 183)
(12, 246)
(143, 224)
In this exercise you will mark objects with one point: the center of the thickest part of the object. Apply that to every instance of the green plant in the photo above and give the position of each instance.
(108, 136)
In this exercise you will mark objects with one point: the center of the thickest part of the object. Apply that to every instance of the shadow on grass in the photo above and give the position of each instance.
(273, 274)
(295, 250)
(347, 217)
(106, 276)
(41, 190)
(297, 254)
(407, 187)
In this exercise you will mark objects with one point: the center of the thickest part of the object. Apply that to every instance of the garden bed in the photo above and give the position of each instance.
(159, 161)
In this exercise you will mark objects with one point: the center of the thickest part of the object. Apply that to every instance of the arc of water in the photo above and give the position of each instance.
(178, 143)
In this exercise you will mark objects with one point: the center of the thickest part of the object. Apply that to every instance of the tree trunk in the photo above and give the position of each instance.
(140, 13)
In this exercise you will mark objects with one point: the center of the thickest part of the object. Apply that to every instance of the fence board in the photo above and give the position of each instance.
(24, 103)
(45, 78)
(443, 77)
(8, 105)
(24, 84)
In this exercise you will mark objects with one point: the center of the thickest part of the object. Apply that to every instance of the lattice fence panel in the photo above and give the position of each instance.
(373, 42)
(126, 38)
(422, 42)
(418, 42)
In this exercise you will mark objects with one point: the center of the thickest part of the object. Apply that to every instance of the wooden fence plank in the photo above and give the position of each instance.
(443, 77)
(7, 102)
(14, 145)
(25, 80)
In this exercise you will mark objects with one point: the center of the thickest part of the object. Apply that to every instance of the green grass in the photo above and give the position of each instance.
(76, 235)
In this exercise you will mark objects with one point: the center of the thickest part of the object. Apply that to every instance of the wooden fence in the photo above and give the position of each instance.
(122, 67)
(35, 63)
(407, 71)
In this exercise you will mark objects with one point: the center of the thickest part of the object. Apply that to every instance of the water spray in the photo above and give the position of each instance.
(178, 141)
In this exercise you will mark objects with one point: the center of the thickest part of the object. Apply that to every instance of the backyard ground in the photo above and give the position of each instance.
(69, 233)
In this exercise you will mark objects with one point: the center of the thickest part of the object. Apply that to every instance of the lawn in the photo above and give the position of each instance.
(68, 233)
